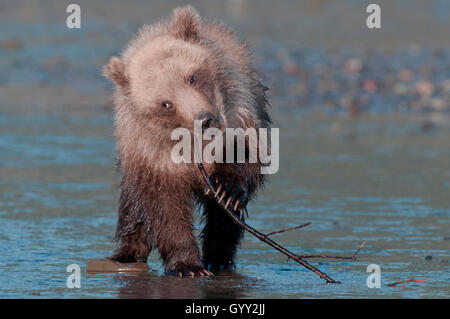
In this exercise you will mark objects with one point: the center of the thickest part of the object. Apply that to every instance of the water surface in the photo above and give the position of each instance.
(384, 179)
(382, 176)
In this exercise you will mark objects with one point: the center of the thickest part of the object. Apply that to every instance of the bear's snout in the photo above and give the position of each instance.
(207, 119)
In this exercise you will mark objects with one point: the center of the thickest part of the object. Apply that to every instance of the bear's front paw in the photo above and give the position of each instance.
(228, 192)
(220, 266)
(182, 270)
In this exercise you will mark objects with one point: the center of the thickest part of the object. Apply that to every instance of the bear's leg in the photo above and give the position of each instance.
(134, 247)
(176, 242)
(221, 237)
(132, 231)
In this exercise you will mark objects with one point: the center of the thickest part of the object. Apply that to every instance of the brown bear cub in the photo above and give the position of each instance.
(172, 73)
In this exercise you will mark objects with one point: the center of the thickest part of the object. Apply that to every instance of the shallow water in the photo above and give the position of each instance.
(380, 178)
(384, 178)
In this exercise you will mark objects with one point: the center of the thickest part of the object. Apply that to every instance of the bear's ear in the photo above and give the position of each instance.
(185, 23)
(115, 71)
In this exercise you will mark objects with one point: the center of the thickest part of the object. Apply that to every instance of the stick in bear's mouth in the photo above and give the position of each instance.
(260, 235)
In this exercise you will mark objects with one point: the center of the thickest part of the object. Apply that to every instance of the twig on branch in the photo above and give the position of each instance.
(335, 257)
(288, 229)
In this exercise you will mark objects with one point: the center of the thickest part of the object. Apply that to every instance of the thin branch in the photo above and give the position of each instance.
(261, 236)
(335, 257)
(288, 229)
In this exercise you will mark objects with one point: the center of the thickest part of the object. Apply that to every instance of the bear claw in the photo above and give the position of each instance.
(228, 192)
(194, 273)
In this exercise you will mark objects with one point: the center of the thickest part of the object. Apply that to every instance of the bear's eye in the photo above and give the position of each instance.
(166, 105)
(193, 79)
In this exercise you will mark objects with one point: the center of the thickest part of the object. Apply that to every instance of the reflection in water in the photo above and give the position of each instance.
(150, 285)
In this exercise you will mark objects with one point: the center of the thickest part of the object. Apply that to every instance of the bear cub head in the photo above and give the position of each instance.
(168, 76)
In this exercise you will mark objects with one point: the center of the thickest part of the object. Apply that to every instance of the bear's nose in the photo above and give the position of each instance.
(206, 118)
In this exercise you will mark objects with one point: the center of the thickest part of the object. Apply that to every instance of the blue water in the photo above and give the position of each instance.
(58, 200)
(360, 165)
